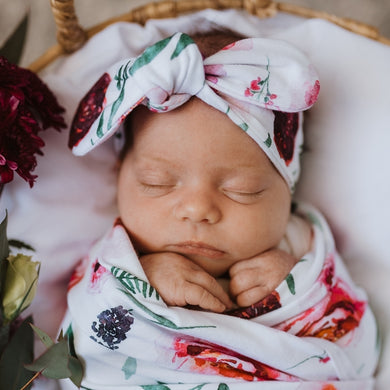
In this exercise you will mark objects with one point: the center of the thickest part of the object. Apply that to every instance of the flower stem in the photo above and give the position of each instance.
(31, 380)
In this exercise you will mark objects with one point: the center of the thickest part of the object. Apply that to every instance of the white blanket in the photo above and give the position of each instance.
(316, 329)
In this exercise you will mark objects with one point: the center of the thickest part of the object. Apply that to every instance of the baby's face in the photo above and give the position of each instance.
(195, 184)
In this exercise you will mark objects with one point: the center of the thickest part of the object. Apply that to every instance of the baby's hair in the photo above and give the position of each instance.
(211, 42)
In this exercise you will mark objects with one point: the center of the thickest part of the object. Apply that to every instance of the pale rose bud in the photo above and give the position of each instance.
(20, 285)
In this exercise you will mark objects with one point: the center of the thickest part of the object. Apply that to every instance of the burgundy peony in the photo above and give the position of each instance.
(27, 106)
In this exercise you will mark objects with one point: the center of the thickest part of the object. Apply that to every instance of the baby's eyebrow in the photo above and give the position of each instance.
(146, 159)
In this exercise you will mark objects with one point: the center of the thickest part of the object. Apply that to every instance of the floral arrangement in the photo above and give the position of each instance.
(27, 107)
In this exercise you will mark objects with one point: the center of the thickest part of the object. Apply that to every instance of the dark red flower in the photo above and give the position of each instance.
(27, 106)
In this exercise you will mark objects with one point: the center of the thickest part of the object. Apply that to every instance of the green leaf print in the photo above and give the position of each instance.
(116, 106)
(183, 42)
(120, 77)
(127, 280)
(155, 387)
(244, 126)
(268, 141)
(223, 386)
(130, 367)
(290, 283)
(99, 131)
(322, 357)
(136, 285)
(148, 55)
(314, 219)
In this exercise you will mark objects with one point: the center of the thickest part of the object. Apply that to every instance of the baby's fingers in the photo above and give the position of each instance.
(245, 280)
(250, 286)
(252, 296)
(210, 285)
(197, 296)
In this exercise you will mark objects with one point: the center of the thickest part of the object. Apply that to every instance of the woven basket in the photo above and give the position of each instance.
(71, 36)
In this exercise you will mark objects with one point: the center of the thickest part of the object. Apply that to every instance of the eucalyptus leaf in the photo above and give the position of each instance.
(57, 363)
(13, 47)
(54, 363)
(19, 351)
(45, 338)
(76, 370)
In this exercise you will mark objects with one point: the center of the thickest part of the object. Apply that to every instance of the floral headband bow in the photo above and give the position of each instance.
(261, 84)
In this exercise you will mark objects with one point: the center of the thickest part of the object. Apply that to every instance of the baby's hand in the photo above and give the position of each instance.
(253, 279)
(180, 282)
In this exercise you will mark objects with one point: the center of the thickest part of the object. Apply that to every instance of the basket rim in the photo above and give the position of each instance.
(172, 8)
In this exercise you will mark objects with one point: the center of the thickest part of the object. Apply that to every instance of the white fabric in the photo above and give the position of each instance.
(344, 166)
(126, 336)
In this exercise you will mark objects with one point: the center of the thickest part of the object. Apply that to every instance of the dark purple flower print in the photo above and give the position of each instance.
(112, 326)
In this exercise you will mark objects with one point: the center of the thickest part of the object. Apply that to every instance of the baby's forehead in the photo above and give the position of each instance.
(209, 139)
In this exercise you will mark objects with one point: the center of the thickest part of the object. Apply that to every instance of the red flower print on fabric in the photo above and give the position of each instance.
(211, 359)
(98, 275)
(311, 93)
(214, 72)
(266, 305)
(243, 44)
(88, 110)
(286, 126)
(78, 273)
(337, 314)
(260, 89)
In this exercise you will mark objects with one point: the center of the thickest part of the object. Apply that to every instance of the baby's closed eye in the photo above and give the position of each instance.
(156, 182)
(243, 196)
(243, 189)
(157, 187)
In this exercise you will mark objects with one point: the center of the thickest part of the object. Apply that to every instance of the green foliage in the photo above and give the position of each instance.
(57, 362)
(13, 47)
(17, 353)
(17, 340)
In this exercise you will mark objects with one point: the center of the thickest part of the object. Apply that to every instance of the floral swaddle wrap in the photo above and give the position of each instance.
(315, 331)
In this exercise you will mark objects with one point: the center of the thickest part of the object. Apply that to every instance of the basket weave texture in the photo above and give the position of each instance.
(71, 36)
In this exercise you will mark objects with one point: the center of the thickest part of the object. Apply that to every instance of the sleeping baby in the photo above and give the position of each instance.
(212, 277)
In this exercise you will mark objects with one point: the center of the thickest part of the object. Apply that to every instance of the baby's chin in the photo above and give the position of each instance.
(217, 268)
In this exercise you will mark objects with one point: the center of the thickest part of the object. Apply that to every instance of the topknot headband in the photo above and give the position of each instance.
(248, 80)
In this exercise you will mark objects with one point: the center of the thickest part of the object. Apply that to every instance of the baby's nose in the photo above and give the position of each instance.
(198, 206)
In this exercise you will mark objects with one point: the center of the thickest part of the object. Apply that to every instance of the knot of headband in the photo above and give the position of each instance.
(250, 80)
